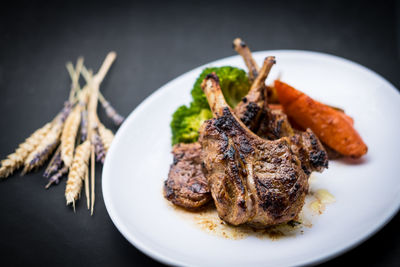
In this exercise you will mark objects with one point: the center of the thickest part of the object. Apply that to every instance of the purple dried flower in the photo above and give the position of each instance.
(54, 165)
(84, 125)
(99, 148)
(43, 153)
(37, 157)
(56, 177)
(66, 110)
(112, 113)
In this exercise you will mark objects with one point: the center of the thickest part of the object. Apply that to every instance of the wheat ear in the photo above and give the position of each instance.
(69, 135)
(41, 153)
(77, 172)
(15, 160)
(106, 136)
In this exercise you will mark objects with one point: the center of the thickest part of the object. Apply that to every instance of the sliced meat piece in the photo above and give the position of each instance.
(186, 185)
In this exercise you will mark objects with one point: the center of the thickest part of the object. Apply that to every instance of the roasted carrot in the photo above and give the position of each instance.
(330, 125)
(341, 111)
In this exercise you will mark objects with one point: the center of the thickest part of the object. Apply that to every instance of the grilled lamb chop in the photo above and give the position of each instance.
(252, 180)
(186, 185)
(270, 124)
(186, 169)
(254, 112)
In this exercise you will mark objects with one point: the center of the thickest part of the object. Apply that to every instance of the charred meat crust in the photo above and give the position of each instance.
(251, 113)
(227, 125)
(310, 150)
(318, 155)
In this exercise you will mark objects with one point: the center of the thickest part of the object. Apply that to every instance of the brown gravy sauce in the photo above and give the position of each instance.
(208, 220)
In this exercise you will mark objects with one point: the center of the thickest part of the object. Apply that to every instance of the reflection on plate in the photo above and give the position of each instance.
(367, 191)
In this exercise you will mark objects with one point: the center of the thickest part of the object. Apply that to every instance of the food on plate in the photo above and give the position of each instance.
(334, 129)
(186, 121)
(253, 181)
(249, 155)
(186, 185)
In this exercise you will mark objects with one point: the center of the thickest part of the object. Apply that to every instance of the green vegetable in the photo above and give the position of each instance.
(234, 84)
(186, 121)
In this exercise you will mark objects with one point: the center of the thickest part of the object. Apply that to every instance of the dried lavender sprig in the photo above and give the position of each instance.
(99, 148)
(45, 152)
(66, 110)
(84, 125)
(37, 157)
(54, 165)
(56, 177)
(110, 111)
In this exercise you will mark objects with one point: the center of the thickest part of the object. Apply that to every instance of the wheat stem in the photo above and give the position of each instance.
(74, 73)
(108, 61)
(87, 193)
(92, 180)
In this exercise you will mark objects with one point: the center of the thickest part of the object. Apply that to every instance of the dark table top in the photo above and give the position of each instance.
(155, 42)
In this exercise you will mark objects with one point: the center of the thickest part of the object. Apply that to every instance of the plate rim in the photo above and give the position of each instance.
(383, 221)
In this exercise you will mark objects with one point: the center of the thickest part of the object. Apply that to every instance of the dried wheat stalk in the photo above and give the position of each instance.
(92, 180)
(40, 154)
(94, 83)
(74, 73)
(69, 135)
(77, 172)
(15, 160)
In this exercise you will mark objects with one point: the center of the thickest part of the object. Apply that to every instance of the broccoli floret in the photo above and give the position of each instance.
(234, 85)
(186, 121)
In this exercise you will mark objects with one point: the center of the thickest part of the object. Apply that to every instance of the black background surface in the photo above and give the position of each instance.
(155, 42)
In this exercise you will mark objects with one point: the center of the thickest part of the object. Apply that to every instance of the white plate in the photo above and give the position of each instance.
(367, 192)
